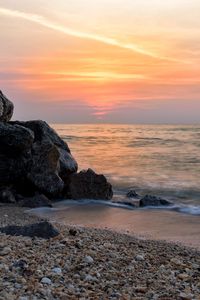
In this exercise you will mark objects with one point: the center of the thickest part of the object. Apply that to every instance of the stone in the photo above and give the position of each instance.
(132, 194)
(89, 185)
(46, 280)
(88, 259)
(42, 229)
(139, 257)
(35, 201)
(6, 108)
(149, 200)
(57, 271)
(72, 231)
(5, 251)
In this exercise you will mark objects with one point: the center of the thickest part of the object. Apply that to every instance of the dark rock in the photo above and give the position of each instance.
(149, 200)
(15, 139)
(51, 160)
(36, 201)
(6, 108)
(132, 194)
(6, 195)
(72, 231)
(42, 229)
(89, 185)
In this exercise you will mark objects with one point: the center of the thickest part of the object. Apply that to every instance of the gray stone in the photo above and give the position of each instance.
(149, 200)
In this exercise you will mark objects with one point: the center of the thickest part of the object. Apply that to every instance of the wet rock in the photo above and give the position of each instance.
(149, 200)
(72, 231)
(132, 194)
(35, 201)
(42, 229)
(89, 185)
(6, 108)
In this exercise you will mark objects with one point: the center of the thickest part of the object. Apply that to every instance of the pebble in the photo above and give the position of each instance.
(46, 280)
(88, 259)
(185, 296)
(57, 271)
(139, 258)
(5, 251)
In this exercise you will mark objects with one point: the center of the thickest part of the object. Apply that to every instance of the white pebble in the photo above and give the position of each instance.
(90, 278)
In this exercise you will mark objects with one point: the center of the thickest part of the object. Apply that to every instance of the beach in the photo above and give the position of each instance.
(90, 263)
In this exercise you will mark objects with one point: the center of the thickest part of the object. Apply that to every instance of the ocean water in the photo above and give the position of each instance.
(161, 160)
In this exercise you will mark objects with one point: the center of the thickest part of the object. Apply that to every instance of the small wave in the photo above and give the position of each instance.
(190, 209)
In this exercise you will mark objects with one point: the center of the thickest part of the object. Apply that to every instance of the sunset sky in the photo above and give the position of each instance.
(101, 61)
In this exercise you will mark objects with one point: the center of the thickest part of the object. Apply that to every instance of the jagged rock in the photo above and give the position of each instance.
(6, 108)
(51, 161)
(35, 201)
(42, 229)
(89, 185)
(44, 133)
(149, 200)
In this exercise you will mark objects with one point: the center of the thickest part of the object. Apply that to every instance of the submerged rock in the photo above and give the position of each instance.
(6, 108)
(7, 196)
(132, 194)
(42, 229)
(89, 185)
(149, 200)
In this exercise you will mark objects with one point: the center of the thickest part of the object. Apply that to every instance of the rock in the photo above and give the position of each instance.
(132, 194)
(46, 280)
(6, 108)
(35, 201)
(57, 271)
(51, 160)
(72, 231)
(185, 296)
(7, 196)
(15, 152)
(5, 251)
(89, 185)
(42, 229)
(139, 257)
(89, 277)
(88, 259)
(149, 200)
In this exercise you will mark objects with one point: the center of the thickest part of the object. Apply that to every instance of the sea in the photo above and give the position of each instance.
(159, 160)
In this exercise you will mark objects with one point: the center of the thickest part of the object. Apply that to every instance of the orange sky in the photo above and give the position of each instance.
(97, 59)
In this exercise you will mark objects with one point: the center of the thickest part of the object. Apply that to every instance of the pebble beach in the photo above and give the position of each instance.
(88, 263)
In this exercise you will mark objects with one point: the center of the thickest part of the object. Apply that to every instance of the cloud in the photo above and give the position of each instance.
(79, 34)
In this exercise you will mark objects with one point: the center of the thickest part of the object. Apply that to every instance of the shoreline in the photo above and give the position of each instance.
(93, 264)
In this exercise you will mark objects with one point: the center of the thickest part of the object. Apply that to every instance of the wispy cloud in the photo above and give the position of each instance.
(84, 35)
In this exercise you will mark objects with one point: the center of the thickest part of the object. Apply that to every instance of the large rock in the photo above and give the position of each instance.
(6, 108)
(149, 200)
(15, 152)
(89, 185)
(42, 229)
(51, 159)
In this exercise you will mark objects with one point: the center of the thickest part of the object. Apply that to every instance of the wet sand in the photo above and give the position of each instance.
(149, 224)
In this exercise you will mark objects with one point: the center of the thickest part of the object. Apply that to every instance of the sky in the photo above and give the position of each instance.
(101, 61)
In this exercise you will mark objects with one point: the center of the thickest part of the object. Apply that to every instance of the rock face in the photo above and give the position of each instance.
(36, 164)
(6, 108)
(89, 185)
(149, 200)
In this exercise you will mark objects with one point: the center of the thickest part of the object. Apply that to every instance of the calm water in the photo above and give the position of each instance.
(160, 160)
